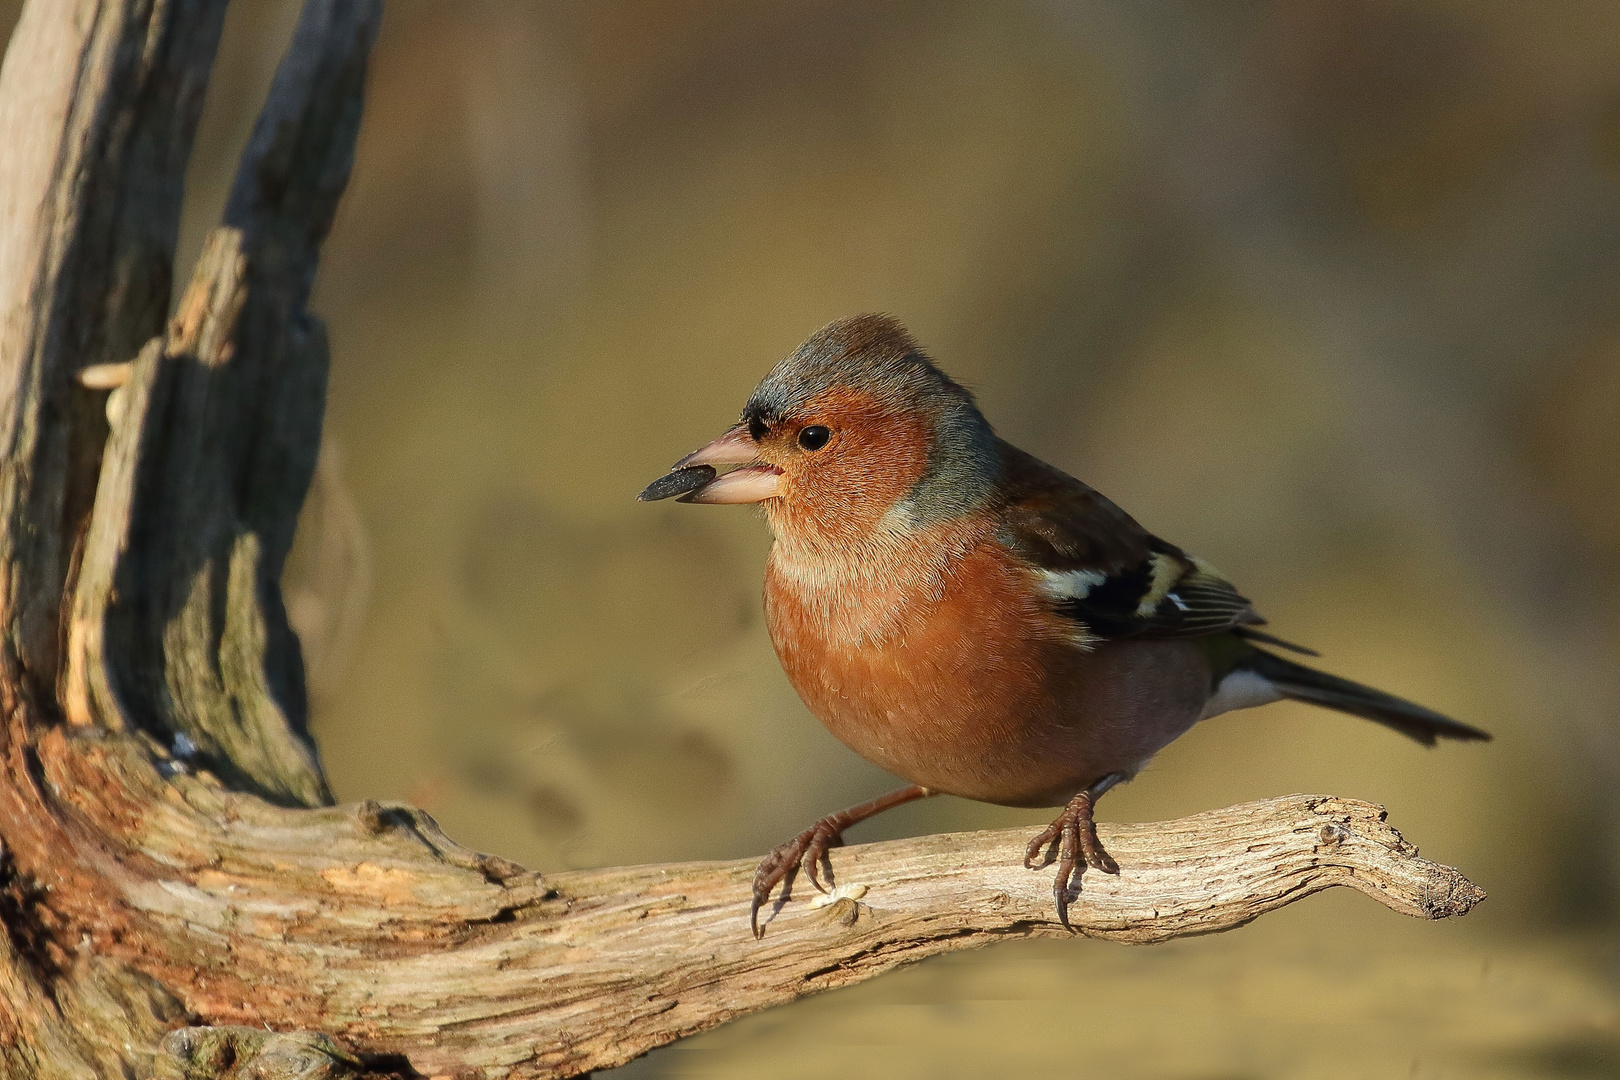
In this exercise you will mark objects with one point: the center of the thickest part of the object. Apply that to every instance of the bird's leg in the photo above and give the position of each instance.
(1076, 833)
(809, 848)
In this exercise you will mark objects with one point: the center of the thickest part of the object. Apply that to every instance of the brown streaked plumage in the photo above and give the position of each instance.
(971, 618)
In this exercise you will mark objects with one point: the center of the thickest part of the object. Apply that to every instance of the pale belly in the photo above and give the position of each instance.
(971, 692)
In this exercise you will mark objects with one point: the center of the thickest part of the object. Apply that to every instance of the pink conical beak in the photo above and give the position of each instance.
(735, 447)
(754, 482)
(750, 484)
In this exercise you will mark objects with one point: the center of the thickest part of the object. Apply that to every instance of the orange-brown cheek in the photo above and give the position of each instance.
(873, 462)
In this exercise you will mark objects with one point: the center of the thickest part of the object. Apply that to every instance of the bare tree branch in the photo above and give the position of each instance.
(367, 924)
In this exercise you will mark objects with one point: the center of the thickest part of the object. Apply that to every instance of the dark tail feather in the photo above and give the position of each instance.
(1249, 633)
(1301, 683)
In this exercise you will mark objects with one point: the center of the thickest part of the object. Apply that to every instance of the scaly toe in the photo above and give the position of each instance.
(1062, 894)
(815, 854)
(1096, 855)
(780, 867)
(1033, 849)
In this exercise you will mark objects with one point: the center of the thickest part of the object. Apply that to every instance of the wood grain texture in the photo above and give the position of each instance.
(98, 102)
(178, 624)
(364, 922)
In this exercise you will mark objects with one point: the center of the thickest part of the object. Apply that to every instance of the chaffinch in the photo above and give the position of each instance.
(970, 618)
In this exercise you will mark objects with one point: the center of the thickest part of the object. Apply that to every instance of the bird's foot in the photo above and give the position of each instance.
(1076, 834)
(806, 851)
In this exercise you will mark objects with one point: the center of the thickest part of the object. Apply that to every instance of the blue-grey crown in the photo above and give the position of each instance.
(875, 354)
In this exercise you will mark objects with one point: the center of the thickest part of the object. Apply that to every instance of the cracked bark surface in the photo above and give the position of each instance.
(195, 907)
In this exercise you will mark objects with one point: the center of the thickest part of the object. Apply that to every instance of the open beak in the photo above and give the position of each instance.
(735, 447)
(694, 479)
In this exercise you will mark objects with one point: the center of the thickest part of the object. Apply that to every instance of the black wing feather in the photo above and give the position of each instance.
(1103, 568)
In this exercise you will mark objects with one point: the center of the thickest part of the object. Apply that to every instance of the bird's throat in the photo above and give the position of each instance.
(862, 588)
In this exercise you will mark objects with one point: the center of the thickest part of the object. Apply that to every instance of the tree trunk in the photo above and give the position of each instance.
(179, 897)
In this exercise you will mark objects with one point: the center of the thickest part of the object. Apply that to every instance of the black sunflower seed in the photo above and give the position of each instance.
(677, 482)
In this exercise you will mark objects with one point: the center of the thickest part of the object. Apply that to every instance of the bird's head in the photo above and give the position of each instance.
(856, 431)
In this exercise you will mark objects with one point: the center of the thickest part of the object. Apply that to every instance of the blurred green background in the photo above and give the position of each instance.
(1327, 291)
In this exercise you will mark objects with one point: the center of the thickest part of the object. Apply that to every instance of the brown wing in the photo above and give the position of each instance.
(1102, 569)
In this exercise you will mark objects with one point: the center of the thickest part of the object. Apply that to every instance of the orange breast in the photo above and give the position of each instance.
(936, 660)
(937, 669)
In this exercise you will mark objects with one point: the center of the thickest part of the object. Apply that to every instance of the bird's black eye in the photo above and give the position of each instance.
(814, 437)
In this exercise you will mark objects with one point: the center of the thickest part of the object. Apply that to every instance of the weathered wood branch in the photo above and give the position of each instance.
(177, 898)
(178, 624)
(98, 103)
(366, 923)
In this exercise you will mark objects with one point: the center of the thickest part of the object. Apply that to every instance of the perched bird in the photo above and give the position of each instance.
(970, 618)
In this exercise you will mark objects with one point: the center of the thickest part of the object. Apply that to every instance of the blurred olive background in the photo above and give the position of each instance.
(1327, 291)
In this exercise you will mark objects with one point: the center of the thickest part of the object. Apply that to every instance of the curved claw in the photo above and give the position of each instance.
(1047, 835)
(1078, 847)
(1061, 895)
(808, 850)
(1096, 855)
(823, 841)
(781, 866)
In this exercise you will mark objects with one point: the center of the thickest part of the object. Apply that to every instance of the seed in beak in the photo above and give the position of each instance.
(749, 484)
(677, 482)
